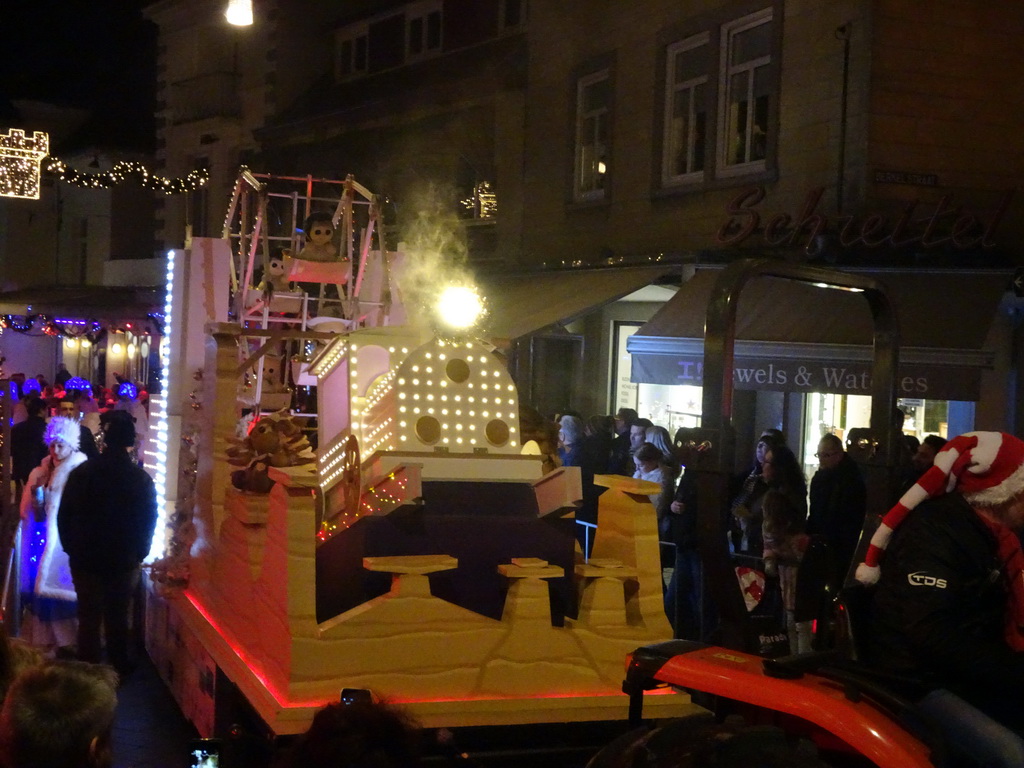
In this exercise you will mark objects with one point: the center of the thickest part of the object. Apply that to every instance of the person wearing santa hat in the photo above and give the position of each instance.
(948, 609)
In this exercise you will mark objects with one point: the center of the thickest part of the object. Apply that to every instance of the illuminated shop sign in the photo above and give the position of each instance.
(940, 382)
(947, 223)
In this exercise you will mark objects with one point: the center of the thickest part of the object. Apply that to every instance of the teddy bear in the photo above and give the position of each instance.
(275, 440)
(275, 277)
(319, 245)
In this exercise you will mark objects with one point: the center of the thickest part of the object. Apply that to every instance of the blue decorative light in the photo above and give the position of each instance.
(77, 382)
(127, 389)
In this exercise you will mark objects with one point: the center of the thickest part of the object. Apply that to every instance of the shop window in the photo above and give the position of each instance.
(924, 417)
(685, 136)
(668, 405)
(746, 93)
(623, 390)
(352, 52)
(839, 414)
(593, 119)
(423, 30)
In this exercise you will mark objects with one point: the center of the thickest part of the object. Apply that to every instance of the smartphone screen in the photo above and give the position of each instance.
(204, 753)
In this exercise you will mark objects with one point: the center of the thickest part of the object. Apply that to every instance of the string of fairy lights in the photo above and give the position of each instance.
(50, 326)
(75, 328)
(25, 156)
(122, 172)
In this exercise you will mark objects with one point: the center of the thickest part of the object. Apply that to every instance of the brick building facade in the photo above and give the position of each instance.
(869, 134)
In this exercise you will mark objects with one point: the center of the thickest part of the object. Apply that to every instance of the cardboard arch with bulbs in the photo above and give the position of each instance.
(423, 555)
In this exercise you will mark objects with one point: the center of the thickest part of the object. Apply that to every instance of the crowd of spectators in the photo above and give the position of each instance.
(774, 514)
(86, 396)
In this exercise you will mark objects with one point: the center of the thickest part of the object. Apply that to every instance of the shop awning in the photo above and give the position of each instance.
(796, 337)
(523, 303)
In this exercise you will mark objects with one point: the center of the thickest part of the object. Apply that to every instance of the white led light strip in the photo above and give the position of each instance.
(162, 412)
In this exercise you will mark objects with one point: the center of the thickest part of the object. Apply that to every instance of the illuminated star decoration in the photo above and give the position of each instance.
(20, 156)
(123, 171)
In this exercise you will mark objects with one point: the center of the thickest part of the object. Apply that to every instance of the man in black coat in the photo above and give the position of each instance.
(621, 459)
(106, 521)
(86, 441)
(684, 603)
(838, 499)
(27, 446)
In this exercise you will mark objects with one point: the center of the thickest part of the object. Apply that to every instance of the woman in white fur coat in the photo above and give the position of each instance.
(48, 593)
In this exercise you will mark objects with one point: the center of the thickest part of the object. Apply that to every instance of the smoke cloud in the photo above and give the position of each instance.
(435, 254)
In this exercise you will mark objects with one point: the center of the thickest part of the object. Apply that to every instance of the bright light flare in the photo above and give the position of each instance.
(239, 13)
(459, 307)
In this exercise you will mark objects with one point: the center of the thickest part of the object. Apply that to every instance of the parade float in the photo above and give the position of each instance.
(348, 500)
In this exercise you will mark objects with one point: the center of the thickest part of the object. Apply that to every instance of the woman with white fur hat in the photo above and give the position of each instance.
(47, 590)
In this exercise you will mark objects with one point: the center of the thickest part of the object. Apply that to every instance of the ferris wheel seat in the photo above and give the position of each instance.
(303, 270)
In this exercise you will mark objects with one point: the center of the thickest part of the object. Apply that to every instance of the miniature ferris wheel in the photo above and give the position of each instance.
(307, 259)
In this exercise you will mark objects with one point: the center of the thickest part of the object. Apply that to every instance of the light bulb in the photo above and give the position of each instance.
(239, 13)
(459, 307)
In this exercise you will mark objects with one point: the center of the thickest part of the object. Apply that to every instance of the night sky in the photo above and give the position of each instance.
(94, 54)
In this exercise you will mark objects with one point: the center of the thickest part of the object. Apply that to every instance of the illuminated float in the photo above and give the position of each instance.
(422, 555)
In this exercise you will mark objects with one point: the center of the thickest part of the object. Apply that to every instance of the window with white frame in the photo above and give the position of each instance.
(423, 29)
(745, 93)
(685, 132)
(593, 115)
(352, 51)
